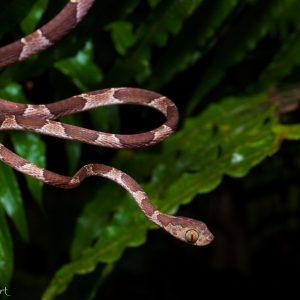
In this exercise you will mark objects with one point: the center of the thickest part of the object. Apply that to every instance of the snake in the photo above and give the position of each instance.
(42, 119)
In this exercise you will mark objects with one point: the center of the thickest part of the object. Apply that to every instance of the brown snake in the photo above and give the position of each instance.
(41, 119)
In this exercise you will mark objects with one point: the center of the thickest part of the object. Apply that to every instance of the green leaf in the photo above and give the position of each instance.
(228, 138)
(6, 252)
(285, 61)
(289, 132)
(73, 150)
(95, 217)
(12, 91)
(181, 53)
(106, 119)
(153, 3)
(81, 69)
(107, 270)
(32, 148)
(30, 22)
(115, 238)
(11, 200)
(249, 30)
(122, 35)
(165, 19)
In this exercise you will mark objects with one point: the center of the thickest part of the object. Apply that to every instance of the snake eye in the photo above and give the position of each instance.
(191, 236)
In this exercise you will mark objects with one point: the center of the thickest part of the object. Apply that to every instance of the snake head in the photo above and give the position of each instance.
(187, 230)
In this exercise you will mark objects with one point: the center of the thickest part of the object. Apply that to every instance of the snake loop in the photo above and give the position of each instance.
(42, 119)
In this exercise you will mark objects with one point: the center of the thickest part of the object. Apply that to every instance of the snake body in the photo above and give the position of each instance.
(42, 119)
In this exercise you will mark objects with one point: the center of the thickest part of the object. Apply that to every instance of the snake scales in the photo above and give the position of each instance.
(42, 119)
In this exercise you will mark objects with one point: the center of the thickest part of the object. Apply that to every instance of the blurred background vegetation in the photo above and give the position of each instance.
(232, 68)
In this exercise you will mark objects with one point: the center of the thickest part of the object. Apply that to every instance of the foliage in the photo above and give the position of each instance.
(208, 56)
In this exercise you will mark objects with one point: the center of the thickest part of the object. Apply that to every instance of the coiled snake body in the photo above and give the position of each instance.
(41, 119)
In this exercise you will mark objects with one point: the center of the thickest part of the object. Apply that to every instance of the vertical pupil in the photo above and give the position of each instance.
(191, 236)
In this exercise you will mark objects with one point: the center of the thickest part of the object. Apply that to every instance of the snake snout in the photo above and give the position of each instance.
(204, 236)
(208, 237)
